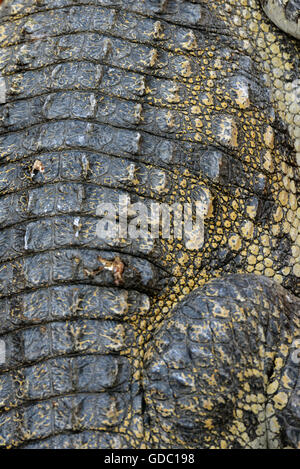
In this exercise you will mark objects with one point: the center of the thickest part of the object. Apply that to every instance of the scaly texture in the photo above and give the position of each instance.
(167, 101)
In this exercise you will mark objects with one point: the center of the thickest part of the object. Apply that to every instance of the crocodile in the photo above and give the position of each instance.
(149, 343)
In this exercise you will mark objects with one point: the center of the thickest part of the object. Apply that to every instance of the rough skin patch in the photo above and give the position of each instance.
(285, 14)
(159, 100)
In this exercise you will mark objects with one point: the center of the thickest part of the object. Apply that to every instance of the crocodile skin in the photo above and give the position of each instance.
(285, 14)
(164, 101)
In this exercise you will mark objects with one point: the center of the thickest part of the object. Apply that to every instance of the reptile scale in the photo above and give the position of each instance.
(145, 343)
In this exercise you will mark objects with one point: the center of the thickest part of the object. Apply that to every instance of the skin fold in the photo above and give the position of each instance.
(149, 343)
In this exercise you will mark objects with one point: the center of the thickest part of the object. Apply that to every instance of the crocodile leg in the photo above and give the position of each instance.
(223, 369)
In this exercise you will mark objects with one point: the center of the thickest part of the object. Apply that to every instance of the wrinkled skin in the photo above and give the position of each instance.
(142, 343)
